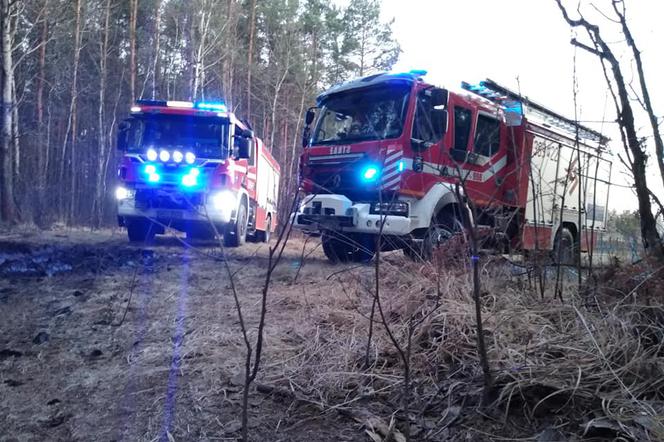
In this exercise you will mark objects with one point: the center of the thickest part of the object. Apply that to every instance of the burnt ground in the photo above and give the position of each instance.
(72, 369)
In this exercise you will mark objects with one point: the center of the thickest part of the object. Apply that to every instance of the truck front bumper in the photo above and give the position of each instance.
(338, 213)
(127, 208)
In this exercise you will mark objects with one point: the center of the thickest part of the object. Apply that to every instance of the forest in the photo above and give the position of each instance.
(72, 69)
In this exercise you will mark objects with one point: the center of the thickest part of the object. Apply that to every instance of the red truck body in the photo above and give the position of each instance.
(196, 168)
(385, 152)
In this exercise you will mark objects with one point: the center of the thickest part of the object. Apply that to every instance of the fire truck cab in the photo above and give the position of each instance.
(385, 154)
(194, 167)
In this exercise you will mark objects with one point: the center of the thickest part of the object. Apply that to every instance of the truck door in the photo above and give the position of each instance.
(479, 152)
(426, 141)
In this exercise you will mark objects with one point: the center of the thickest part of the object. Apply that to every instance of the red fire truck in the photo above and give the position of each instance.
(194, 167)
(386, 153)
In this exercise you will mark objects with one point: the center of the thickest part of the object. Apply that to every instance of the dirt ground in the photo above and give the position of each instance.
(74, 367)
(103, 340)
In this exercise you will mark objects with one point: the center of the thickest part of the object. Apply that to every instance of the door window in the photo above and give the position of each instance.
(487, 136)
(423, 127)
(462, 122)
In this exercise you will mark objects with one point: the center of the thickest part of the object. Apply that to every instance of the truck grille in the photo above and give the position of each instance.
(164, 199)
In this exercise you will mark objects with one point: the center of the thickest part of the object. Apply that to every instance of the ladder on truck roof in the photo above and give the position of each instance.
(513, 102)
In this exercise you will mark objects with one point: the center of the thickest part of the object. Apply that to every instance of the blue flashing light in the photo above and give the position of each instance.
(401, 166)
(190, 179)
(219, 107)
(151, 171)
(370, 173)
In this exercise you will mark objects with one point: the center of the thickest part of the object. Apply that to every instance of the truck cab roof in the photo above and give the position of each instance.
(372, 80)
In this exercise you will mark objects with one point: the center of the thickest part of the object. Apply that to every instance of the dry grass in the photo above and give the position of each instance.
(591, 365)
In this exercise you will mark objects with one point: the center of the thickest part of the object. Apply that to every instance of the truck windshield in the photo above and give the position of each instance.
(375, 113)
(205, 136)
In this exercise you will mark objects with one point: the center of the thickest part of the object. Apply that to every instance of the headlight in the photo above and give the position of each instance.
(122, 193)
(190, 157)
(390, 208)
(178, 156)
(152, 154)
(164, 156)
(224, 201)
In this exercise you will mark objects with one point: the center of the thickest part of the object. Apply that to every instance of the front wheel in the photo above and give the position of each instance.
(235, 233)
(140, 230)
(347, 248)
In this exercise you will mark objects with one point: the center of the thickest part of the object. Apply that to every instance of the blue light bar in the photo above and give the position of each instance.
(418, 72)
(219, 107)
(151, 102)
(183, 104)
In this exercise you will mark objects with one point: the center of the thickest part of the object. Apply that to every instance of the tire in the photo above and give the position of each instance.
(140, 230)
(434, 238)
(347, 249)
(365, 249)
(564, 249)
(235, 233)
(336, 250)
(200, 234)
(265, 236)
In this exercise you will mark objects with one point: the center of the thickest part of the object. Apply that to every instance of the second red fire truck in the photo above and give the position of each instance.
(385, 154)
(197, 168)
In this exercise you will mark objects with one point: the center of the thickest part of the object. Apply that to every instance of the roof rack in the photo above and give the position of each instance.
(535, 112)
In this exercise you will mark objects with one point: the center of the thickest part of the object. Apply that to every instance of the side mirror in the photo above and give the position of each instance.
(123, 131)
(246, 133)
(438, 97)
(242, 146)
(309, 117)
(439, 119)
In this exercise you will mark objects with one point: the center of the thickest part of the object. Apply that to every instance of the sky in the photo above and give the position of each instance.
(528, 40)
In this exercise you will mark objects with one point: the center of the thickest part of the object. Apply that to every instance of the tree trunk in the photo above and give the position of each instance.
(227, 65)
(73, 112)
(16, 153)
(250, 54)
(625, 113)
(157, 38)
(101, 121)
(659, 143)
(42, 149)
(133, 5)
(7, 208)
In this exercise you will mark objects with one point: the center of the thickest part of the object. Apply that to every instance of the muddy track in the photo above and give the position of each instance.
(72, 369)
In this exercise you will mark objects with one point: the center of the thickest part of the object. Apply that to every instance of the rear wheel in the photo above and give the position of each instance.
(264, 236)
(235, 233)
(434, 238)
(564, 249)
(140, 230)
